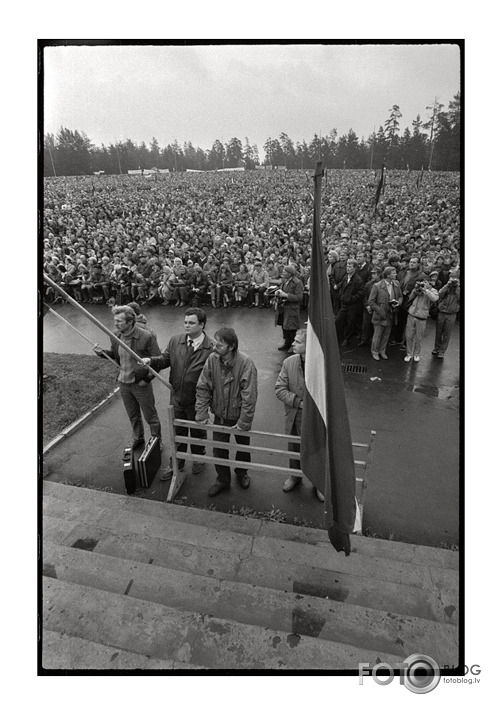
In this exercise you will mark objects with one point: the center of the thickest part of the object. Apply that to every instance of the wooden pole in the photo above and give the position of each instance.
(102, 327)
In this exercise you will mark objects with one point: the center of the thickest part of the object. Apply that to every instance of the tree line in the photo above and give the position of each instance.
(434, 143)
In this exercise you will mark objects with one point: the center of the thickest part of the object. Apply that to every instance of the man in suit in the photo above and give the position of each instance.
(385, 298)
(186, 355)
(351, 304)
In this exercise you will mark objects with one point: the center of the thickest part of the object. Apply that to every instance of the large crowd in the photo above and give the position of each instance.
(224, 239)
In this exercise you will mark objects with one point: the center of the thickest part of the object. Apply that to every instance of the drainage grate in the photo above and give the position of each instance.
(360, 369)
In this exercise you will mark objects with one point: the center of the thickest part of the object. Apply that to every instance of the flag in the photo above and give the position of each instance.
(326, 444)
(379, 187)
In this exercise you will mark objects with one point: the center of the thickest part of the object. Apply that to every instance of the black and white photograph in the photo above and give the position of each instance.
(251, 320)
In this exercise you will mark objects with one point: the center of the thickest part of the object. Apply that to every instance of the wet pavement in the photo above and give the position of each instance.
(413, 487)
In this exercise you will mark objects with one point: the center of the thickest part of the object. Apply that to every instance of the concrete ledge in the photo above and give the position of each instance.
(81, 421)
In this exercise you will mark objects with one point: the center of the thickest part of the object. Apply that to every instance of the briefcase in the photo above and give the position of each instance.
(129, 471)
(149, 462)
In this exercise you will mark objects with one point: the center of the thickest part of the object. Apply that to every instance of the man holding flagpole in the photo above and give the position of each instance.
(326, 444)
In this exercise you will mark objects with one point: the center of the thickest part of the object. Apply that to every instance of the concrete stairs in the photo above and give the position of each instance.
(133, 584)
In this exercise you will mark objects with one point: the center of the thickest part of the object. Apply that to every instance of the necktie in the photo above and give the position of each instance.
(189, 348)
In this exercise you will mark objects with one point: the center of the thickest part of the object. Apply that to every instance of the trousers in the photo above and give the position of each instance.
(223, 471)
(415, 331)
(140, 399)
(444, 326)
(188, 413)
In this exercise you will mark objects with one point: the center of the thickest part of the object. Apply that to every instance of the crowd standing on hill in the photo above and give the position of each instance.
(230, 240)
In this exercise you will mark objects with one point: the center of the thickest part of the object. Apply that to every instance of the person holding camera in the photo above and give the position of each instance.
(421, 298)
(449, 305)
(384, 301)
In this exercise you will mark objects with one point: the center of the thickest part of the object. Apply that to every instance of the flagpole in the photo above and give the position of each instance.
(102, 327)
(91, 342)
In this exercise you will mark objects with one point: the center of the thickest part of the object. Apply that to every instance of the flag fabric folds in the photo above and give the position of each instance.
(326, 444)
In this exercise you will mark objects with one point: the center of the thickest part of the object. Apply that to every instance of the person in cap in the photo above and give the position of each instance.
(288, 300)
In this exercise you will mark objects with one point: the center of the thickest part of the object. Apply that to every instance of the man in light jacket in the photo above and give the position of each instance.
(289, 389)
(421, 297)
(228, 386)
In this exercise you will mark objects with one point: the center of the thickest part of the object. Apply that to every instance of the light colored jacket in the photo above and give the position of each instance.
(230, 390)
(289, 389)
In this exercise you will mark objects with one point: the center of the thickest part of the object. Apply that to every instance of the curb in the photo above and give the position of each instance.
(81, 421)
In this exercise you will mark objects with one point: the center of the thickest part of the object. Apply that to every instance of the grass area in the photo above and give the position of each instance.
(71, 386)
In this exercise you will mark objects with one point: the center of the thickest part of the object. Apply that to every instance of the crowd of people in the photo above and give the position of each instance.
(232, 240)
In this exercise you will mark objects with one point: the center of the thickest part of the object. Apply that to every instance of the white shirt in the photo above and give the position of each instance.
(197, 342)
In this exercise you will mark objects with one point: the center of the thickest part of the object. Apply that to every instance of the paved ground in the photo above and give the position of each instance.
(413, 493)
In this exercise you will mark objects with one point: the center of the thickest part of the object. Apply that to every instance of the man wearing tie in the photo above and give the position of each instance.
(186, 355)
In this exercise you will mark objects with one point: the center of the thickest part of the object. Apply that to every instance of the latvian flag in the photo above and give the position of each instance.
(326, 444)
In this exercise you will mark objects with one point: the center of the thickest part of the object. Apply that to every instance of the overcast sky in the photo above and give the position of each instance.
(203, 93)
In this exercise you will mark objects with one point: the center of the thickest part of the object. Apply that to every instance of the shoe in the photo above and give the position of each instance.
(138, 442)
(319, 495)
(375, 356)
(243, 480)
(402, 347)
(291, 483)
(216, 489)
(283, 347)
(416, 358)
(197, 467)
(384, 356)
(166, 474)
(440, 356)
(435, 352)
(394, 342)
(407, 358)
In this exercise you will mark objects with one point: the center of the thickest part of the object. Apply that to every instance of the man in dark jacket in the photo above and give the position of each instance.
(134, 379)
(228, 385)
(351, 300)
(186, 355)
(289, 298)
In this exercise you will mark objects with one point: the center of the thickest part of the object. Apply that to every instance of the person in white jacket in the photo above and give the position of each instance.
(421, 297)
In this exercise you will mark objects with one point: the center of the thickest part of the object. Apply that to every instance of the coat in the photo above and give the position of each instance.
(230, 390)
(293, 286)
(184, 374)
(289, 389)
(382, 311)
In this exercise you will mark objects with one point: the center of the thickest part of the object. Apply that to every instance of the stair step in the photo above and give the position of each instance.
(398, 551)
(63, 652)
(164, 633)
(255, 605)
(126, 522)
(298, 578)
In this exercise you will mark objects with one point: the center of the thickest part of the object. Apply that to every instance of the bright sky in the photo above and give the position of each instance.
(203, 93)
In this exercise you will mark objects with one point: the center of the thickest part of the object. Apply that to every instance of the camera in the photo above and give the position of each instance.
(419, 286)
(454, 282)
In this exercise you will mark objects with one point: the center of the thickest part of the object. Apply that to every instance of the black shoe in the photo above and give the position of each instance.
(243, 480)
(138, 442)
(216, 489)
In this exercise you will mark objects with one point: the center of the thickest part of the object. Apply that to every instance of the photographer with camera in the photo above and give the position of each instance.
(384, 301)
(449, 305)
(421, 298)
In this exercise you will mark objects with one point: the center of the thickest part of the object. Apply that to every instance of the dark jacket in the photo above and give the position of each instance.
(230, 390)
(293, 286)
(184, 373)
(351, 292)
(144, 343)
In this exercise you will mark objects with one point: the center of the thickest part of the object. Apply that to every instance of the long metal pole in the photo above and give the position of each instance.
(91, 342)
(102, 327)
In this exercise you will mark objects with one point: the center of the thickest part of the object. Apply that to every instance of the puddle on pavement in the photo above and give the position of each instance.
(442, 393)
